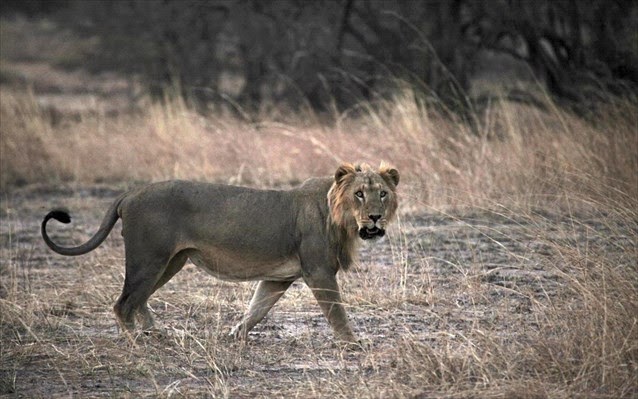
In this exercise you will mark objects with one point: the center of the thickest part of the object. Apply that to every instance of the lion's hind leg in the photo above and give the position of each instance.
(176, 264)
(143, 276)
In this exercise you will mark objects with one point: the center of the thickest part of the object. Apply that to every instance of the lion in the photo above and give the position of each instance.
(243, 234)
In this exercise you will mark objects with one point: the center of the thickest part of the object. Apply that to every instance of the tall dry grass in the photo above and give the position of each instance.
(513, 153)
(582, 340)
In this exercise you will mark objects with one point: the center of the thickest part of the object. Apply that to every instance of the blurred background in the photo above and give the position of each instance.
(332, 53)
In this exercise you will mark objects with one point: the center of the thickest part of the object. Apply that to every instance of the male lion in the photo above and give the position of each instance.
(240, 234)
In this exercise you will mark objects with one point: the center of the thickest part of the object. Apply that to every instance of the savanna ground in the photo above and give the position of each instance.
(510, 272)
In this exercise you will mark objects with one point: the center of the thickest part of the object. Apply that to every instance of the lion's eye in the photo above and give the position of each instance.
(359, 194)
(383, 194)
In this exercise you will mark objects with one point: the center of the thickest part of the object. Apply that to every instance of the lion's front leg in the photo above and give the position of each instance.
(326, 290)
(265, 296)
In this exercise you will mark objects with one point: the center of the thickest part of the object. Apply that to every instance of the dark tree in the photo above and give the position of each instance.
(337, 52)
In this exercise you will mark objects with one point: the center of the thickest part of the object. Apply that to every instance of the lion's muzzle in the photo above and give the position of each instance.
(372, 227)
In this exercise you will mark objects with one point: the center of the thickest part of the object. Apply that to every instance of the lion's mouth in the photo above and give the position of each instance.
(371, 233)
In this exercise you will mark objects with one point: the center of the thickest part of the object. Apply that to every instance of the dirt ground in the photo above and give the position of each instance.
(436, 284)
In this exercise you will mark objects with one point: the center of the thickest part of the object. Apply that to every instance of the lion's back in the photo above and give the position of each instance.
(233, 217)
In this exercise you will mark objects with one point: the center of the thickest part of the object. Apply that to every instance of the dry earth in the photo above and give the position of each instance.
(435, 284)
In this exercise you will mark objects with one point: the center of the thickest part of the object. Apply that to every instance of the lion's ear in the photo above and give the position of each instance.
(344, 170)
(389, 174)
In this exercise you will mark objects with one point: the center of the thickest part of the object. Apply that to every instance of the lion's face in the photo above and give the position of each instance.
(364, 200)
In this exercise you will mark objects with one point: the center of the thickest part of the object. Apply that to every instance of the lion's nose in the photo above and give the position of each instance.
(374, 218)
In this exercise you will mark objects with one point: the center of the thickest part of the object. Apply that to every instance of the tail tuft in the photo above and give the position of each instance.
(59, 215)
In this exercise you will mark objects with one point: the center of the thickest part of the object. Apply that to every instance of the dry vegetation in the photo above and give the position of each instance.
(513, 152)
(511, 272)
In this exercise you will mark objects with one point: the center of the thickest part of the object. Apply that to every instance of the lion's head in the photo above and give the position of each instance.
(362, 200)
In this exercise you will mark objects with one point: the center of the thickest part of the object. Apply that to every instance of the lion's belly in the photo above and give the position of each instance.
(234, 267)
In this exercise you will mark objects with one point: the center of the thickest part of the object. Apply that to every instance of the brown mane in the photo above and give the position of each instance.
(341, 230)
(338, 200)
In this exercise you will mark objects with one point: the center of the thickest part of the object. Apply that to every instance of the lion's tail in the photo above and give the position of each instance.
(105, 228)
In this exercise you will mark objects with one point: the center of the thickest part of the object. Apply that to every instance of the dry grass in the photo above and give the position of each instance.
(511, 272)
(516, 153)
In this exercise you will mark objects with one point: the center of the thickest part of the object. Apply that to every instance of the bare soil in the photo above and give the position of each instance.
(435, 281)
